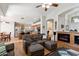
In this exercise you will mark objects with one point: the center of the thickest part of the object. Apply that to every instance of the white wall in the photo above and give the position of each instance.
(1, 14)
(61, 21)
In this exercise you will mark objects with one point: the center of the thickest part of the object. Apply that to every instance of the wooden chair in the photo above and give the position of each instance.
(1, 37)
(8, 37)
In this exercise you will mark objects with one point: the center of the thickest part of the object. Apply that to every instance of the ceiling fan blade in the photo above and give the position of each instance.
(7, 22)
(54, 4)
(38, 6)
(45, 9)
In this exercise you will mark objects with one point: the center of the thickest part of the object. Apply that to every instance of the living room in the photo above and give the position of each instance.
(39, 29)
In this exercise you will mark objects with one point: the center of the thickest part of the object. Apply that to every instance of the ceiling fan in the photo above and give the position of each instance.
(46, 6)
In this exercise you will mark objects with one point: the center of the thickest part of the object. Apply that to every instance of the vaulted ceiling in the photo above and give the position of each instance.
(26, 12)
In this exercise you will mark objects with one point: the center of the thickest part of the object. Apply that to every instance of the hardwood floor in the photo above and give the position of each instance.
(18, 49)
(18, 46)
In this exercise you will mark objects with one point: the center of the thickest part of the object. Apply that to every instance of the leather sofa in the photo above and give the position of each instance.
(31, 40)
(10, 49)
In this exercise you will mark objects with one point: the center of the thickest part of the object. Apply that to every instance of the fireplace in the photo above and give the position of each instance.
(64, 37)
(76, 39)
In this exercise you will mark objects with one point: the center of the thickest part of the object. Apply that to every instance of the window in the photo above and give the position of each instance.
(75, 19)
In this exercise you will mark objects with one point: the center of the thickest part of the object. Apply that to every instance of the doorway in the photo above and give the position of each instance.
(50, 28)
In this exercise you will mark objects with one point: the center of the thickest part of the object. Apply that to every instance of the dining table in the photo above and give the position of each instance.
(4, 37)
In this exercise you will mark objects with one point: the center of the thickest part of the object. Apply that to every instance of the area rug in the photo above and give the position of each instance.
(63, 52)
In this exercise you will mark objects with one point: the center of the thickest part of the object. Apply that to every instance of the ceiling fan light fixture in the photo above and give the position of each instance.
(3, 22)
(48, 6)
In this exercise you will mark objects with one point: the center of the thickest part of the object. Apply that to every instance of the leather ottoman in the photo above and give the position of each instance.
(51, 45)
(41, 42)
(36, 50)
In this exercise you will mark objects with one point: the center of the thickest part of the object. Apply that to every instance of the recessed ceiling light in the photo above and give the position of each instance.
(43, 5)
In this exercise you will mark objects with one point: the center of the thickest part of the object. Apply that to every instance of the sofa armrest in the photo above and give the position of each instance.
(26, 43)
(10, 47)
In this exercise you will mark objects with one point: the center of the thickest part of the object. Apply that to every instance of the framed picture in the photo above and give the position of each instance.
(62, 26)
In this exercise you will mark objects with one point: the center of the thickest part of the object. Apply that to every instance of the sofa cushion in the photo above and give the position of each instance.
(3, 51)
(40, 41)
(50, 42)
(35, 47)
